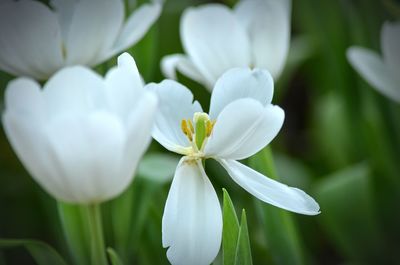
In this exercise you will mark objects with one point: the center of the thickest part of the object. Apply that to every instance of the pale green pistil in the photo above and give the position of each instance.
(201, 130)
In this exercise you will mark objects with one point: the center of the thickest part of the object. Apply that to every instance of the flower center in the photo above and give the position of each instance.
(199, 130)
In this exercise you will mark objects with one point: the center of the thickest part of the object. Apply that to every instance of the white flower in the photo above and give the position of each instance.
(241, 122)
(382, 72)
(81, 136)
(36, 41)
(255, 33)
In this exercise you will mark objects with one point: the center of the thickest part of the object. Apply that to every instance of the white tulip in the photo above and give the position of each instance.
(240, 123)
(381, 72)
(36, 41)
(81, 136)
(256, 33)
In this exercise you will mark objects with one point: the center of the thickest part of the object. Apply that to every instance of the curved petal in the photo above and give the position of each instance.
(140, 124)
(64, 11)
(270, 191)
(31, 146)
(180, 62)
(243, 128)
(87, 152)
(268, 25)
(214, 40)
(30, 39)
(192, 220)
(124, 86)
(373, 69)
(136, 26)
(240, 83)
(390, 42)
(92, 31)
(175, 104)
(23, 96)
(74, 89)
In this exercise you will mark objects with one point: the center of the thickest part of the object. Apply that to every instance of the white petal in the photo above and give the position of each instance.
(124, 86)
(270, 191)
(74, 89)
(192, 221)
(243, 128)
(87, 152)
(23, 96)
(64, 11)
(93, 29)
(30, 39)
(373, 69)
(136, 26)
(30, 143)
(390, 41)
(214, 40)
(140, 123)
(171, 63)
(268, 25)
(240, 83)
(175, 104)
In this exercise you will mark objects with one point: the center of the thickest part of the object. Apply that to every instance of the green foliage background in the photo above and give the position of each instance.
(340, 142)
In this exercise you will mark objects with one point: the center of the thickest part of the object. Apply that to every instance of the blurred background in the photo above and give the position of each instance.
(340, 143)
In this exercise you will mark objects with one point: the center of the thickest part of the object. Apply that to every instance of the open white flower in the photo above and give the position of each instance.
(255, 33)
(36, 41)
(381, 72)
(81, 136)
(240, 123)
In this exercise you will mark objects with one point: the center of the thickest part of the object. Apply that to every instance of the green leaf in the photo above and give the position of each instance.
(129, 215)
(41, 252)
(74, 224)
(243, 250)
(158, 167)
(114, 258)
(350, 218)
(230, 231)
(279, 226)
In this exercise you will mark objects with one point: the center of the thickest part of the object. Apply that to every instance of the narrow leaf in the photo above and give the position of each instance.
(41, 252)
(74, 224)
(243, 250)
(114, 258)
(129, 215)
(351, 220)
(230, 231)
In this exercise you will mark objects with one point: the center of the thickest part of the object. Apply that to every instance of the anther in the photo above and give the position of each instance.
(191, 125)
(186, 130)
(210, 126)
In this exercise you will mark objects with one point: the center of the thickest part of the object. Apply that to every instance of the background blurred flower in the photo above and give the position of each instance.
(242, 121)
(255, 33)
(82, 136)
(382, 72)
(36, 41)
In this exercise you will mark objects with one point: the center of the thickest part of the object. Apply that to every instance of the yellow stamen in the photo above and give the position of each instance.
(186, 131)
(191, 125)
(210, 126)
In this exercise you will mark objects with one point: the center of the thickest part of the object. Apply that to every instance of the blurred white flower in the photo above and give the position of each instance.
(381, 72)
(36, 41)
(81, 136)
(256, 33)
(240, 123)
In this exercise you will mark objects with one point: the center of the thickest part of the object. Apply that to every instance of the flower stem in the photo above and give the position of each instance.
(98, 251)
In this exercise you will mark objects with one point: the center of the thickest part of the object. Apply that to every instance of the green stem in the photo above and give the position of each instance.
(98, 251)
(270, 163)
